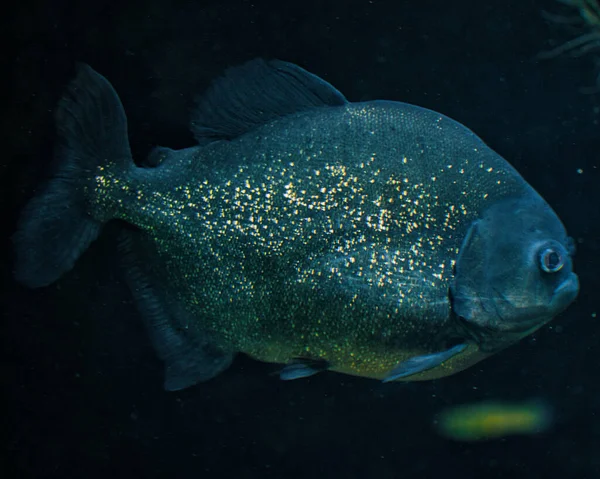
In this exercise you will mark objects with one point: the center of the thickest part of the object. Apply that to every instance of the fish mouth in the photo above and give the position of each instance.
(562, 297)
(565, 294)
(493, 336)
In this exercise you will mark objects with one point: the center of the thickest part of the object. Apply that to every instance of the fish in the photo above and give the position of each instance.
(377, 239)
(488, 420)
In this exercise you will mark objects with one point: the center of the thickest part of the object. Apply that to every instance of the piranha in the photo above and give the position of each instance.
(377, 239)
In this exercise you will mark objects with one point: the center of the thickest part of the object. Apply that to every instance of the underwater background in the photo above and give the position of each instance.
(82, 385)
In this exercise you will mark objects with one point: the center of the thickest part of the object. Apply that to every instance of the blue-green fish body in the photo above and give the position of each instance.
(377, 239)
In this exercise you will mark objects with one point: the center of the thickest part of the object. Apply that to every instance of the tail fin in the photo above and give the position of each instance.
(56, 227)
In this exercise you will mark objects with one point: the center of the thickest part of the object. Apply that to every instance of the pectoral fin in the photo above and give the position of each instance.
(418, 364)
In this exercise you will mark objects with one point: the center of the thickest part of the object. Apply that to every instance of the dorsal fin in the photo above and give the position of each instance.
(255, 93)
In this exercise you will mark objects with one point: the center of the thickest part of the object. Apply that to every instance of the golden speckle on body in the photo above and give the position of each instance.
(328, 236)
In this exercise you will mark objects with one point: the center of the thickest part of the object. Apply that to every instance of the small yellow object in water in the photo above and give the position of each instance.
(493, 419)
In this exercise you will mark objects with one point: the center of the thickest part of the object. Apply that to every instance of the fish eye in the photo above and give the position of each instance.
(551, 260)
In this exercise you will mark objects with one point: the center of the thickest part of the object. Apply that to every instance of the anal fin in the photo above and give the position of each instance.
(190, 357)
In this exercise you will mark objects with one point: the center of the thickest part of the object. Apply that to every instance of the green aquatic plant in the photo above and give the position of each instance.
(587, 26)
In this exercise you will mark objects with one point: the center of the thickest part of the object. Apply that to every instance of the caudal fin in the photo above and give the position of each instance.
(56, 227)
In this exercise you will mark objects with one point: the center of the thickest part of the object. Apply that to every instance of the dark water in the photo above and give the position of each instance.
(83, 387)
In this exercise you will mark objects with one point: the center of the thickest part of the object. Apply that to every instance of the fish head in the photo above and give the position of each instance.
(513, 273)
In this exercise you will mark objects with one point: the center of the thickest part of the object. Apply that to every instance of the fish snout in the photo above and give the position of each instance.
(565, 293)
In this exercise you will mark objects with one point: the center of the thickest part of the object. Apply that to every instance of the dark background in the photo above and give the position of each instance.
(83, 388)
